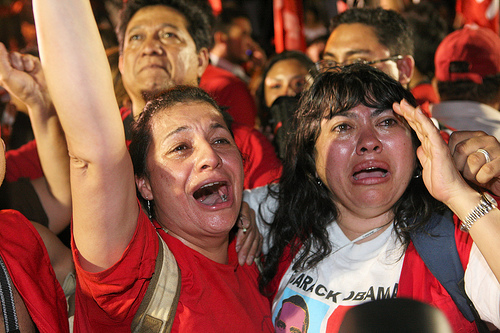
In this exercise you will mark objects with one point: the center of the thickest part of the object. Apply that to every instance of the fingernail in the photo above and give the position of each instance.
(404, 102)
(237, 248)
(250, 260)
(242, 261)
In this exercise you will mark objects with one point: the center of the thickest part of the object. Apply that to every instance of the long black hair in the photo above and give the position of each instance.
(306, 208)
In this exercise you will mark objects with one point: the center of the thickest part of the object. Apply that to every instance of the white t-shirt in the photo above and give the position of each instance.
(350, 276)
(468, 116)
(357, 273)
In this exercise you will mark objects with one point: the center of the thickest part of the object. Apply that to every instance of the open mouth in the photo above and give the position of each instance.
(212, 193)
(370, 173)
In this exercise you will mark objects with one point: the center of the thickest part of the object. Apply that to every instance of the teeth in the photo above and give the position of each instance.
(212, 193)
(376, 171)
(211, 184)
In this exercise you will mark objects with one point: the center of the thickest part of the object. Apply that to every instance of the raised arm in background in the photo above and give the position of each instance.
(22, 76)
(105, 207)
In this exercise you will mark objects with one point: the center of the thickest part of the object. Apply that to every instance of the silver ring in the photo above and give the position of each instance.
(485, 153)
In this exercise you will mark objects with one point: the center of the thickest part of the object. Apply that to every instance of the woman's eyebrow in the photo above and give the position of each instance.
(378, 112)
(345, 113)
(350, 114)
(177, 130)
(217, 125)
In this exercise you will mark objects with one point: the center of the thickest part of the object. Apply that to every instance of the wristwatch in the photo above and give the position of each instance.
(486, 204)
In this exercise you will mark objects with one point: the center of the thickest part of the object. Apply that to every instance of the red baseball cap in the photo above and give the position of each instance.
(470, 53)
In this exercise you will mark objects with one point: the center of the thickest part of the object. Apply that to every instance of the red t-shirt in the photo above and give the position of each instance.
(214, 297)
(30, 270)
(417, 282)
(23, 163)
(425, 92)
(260, 163)
(230, 91)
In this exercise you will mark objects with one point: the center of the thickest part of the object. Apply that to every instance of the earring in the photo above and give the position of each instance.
(150, 216)
(417, 173)
(319, 182)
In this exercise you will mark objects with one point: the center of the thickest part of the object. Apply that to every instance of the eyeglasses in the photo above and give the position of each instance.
(325, 64)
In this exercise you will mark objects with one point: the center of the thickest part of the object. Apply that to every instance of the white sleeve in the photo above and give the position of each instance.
(264, 207)
(482, 287)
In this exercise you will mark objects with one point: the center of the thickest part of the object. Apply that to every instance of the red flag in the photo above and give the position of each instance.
(216, 6)
(481, 12)
(288, 25)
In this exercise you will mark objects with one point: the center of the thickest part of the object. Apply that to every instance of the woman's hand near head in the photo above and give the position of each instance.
(440, 176)
(472, 163)
(444, 182)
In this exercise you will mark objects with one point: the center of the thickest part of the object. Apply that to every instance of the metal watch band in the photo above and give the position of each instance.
(486, 204)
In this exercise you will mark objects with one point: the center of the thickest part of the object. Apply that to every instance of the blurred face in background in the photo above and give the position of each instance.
(239, 41)
(287, 77)
(355, 42)
(159, 52)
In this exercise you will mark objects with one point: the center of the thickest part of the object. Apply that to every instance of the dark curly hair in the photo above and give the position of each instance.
(198, 14)
(305, 209)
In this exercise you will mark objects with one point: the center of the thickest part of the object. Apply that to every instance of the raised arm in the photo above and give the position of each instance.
(444, 182)
(22, 76)
(105, 209)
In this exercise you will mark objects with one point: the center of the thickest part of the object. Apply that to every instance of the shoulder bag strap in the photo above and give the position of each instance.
(7, 300)
(157, 310)
(438, 249)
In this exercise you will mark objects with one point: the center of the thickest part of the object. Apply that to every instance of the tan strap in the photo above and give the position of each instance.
(157, 310)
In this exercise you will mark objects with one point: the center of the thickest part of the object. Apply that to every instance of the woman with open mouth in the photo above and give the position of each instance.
(188, 174)
(365, 177)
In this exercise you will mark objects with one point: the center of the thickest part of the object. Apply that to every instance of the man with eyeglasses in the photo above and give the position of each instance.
(374, 36)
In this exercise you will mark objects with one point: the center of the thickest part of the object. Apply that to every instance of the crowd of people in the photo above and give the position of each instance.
(187, 178)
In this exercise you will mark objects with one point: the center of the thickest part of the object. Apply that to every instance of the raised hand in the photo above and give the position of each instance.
(22, 76)
(439, 173)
